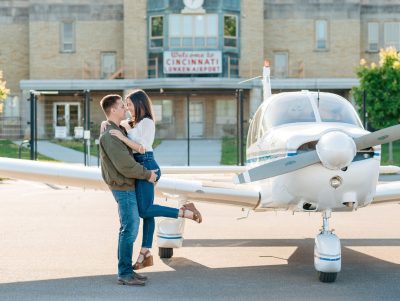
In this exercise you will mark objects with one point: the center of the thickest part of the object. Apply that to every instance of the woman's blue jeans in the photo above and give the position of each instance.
(129, 226)
(145, 199)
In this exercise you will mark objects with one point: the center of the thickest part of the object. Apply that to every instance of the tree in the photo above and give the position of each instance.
(381, 84)
(3, 91)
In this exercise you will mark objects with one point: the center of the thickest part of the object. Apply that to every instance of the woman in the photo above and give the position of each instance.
(141, 132)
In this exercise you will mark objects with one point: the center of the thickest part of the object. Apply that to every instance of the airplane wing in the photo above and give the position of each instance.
(387, 193)
(200, 187)
(225, 169)
(52, 173)
(389, 169)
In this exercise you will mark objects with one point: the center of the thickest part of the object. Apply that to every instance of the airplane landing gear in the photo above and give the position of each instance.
(327, 252)
(165, 252)
(170, 235)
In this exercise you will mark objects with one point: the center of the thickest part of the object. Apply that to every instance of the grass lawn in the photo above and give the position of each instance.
(229, 151)
(396, 154)
(76, 145)
(10, 150)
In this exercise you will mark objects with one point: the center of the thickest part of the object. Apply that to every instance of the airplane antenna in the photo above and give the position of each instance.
(246, 80)
(318, 99)
(266, 81)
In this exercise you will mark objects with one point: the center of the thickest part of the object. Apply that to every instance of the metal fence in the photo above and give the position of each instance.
(11, 128)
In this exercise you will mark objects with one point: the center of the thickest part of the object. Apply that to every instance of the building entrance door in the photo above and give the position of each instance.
(66, 117)
(196, 117)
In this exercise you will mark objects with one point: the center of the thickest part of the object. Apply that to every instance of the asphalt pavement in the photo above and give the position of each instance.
(179, 152)
(60, 243)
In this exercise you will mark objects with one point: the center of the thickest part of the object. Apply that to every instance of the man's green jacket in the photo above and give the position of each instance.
(118, 167)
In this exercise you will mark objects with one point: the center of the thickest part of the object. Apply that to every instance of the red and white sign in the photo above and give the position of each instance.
(189, 62)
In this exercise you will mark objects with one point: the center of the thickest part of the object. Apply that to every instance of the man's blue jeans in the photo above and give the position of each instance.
(145, 199)
(129, 226)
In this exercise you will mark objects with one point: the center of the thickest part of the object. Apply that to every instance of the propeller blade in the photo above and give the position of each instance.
(278, 167)
(379, 137)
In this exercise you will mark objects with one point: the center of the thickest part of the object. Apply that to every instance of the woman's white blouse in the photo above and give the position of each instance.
(143, 133)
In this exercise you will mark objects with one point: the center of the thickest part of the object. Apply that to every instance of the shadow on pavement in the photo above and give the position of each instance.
(363, 277)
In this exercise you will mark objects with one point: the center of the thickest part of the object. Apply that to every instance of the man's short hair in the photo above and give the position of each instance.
(108, 101)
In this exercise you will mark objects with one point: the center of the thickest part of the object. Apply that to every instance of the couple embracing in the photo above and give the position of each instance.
(129, 169)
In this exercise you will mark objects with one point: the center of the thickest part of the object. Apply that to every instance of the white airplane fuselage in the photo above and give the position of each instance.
(310, 188)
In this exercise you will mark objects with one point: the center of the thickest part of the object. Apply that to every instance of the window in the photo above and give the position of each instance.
(281, 64)
(392, 35)
(288, 108)
(226, 111)
(67, 37)
(108, 64)
(10, 106)
(163, 111)
(373, 36)
(193, 31)
(321, 34)
(257, 130)
(230, 31)
(333, 108)
(156, 31)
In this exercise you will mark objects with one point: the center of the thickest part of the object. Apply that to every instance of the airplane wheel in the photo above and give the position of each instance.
(327, 277)
(165, 252)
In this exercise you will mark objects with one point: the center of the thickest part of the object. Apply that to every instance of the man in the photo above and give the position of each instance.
(119, 171)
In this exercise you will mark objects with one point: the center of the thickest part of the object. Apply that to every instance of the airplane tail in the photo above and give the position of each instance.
(266, 81)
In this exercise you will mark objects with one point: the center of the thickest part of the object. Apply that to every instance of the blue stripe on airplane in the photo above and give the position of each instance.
(328, 259)
(169, 237)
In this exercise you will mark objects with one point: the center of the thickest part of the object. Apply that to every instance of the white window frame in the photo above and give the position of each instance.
(192, 35)
(391, 34)
(151, 37)
(285, 72)
(161, 112)
(237, 32)
(373, 36)
(318, 33)
(63, 41)
(105, 74)
(10, 106)
(225, 111)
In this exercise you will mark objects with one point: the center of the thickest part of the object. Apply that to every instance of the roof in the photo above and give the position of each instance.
(187, 83)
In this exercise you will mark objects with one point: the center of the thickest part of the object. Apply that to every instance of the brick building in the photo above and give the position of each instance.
(188, 55)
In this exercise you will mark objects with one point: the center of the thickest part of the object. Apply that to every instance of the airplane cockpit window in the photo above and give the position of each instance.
(288, 108)
(333, 108)
(256, 129)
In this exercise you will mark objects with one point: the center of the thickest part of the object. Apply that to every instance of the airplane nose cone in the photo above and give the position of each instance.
(336, 150)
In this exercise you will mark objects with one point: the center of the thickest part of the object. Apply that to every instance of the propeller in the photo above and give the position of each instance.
(334, 150)
(379, 137)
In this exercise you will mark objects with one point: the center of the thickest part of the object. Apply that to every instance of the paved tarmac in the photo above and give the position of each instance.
(169, 152)
(60, 244)
(61, 153)
(202, 152)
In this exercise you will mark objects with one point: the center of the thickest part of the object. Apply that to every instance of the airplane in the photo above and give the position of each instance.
(306, 152)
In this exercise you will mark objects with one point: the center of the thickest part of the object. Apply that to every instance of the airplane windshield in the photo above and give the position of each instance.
(332, 108)
(288, 108)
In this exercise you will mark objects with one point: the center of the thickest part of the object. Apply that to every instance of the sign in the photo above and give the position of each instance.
(86, 135)
(78, 132)
(192, 62)
(60, 132)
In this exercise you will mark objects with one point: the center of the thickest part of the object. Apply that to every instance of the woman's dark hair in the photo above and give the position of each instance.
(142, 104)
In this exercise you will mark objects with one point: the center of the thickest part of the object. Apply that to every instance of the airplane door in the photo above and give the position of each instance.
(196, 116)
